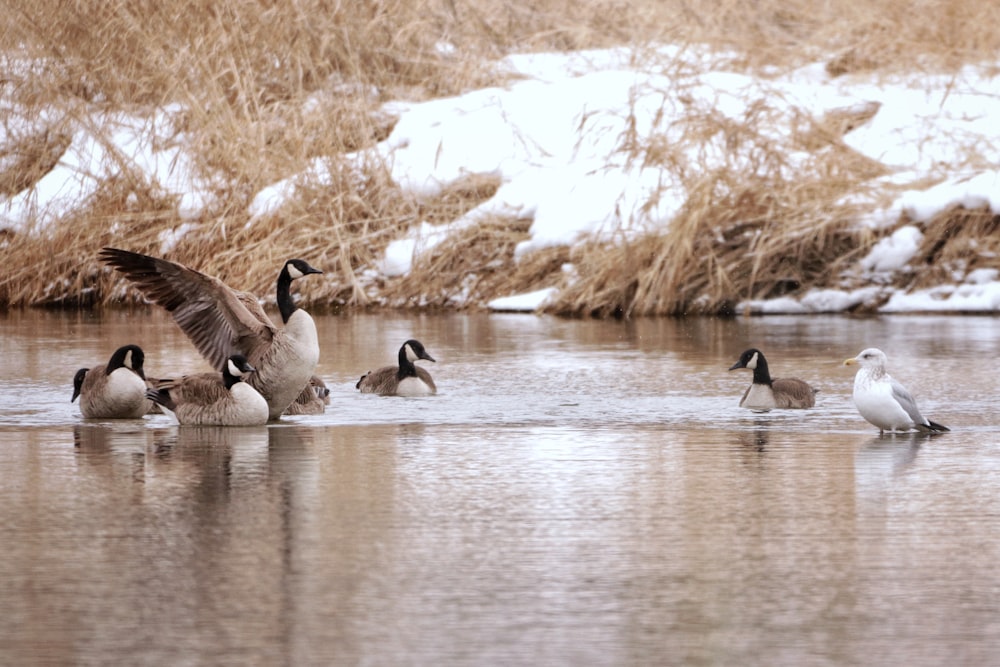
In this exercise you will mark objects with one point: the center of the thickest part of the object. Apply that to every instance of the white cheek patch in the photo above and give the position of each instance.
(410, 354)
(752, 364)
(233, 370)
(128, 359)
(294, 272)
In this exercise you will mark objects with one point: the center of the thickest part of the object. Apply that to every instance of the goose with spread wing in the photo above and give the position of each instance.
(221, 321)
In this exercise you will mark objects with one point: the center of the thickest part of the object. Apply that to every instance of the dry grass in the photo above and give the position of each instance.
(722, 248)
(955, 243)
(244, 70)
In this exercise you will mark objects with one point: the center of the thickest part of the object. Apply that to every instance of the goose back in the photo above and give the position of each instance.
(386, 382)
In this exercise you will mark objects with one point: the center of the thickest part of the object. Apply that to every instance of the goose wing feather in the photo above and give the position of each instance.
(425, 375)
(200, 388)
(793, 393)
(385, 380)
(219, 320)
(379, 381)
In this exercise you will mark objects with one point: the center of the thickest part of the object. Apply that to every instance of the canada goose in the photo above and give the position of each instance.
(882, 400)
(766, 394)
(208, 399)
(116, 391)
(313, 399)
(221, 321)
(407, 379)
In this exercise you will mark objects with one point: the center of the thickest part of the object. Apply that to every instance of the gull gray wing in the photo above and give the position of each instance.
(216, 319)
(906, 401)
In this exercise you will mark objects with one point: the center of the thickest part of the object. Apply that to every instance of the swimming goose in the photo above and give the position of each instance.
(116, 391)
(210, 399)
(221, 321)
(313, 399)
(882, 400)
(766, 394)
(406, 379)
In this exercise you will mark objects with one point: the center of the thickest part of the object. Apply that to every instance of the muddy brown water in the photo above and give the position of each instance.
(579, 493)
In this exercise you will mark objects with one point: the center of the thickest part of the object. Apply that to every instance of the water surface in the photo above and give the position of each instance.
(579, 492)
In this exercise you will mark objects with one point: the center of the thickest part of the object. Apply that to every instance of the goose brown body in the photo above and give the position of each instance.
(221, 321)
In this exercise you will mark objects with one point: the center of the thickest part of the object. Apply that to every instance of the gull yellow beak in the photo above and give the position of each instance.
(850, 362)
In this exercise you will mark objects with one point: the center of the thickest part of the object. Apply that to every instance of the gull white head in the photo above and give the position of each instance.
(872, 359)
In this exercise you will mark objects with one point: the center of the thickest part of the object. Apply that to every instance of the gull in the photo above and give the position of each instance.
(882, 400)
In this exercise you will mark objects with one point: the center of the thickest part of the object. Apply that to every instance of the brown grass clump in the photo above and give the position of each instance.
(718, 251)
(473, 264)
(335, 229)
(957, 242)
(265, 88)
(25, 160)
(758, 226)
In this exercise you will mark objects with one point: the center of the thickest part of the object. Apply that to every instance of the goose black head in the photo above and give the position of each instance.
(238, 366)
(414, 349)
(78, 382)
(749, 359)
(128, 356)
(297, 268)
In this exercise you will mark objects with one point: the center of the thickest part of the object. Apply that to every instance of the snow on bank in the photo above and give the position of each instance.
(979, 293)
(556, 137)
(527, 302)
(102, 147)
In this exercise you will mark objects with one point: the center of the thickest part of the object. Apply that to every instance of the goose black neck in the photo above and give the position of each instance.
(284, 295)
(118, 360)
(406, 367)
(760, 373)
(229, 379)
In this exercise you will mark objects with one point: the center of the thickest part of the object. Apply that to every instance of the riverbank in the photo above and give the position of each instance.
(639, 161)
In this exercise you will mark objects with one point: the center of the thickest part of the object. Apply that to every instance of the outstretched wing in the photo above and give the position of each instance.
(218, 320)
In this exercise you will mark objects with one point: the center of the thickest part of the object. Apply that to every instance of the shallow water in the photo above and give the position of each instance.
(579, 492)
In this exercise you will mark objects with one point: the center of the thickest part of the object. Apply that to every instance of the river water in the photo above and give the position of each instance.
(579, 493)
